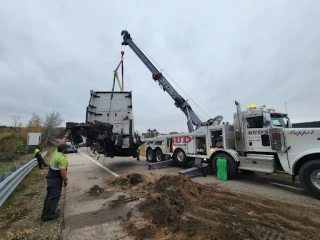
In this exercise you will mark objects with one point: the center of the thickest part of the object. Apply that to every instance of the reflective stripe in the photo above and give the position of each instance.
(62, 167)
(58, 155)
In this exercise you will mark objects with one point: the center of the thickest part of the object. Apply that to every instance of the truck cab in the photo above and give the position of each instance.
(266, 142)
(252, 128)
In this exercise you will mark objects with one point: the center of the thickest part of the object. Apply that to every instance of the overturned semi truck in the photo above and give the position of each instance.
(109, 126)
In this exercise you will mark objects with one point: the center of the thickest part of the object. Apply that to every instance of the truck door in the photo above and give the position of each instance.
(201, 145)
(169, 145)
(257, 136)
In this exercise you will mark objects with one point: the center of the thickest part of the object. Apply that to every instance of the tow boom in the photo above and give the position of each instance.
(179, 101)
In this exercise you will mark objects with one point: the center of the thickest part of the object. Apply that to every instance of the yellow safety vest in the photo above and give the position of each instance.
(36, 150)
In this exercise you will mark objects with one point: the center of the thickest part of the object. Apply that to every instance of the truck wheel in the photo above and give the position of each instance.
(150, 155)
(180, 158)
(232, 166)
(159, 156)
(309, 176)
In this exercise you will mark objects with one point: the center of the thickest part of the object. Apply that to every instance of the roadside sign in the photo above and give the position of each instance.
(34, 139)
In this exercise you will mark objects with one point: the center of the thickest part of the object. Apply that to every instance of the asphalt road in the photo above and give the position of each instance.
(89, 217)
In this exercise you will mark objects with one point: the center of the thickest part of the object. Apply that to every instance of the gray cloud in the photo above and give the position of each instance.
(53, 53)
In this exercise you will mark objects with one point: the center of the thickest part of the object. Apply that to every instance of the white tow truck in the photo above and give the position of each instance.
(259, 140)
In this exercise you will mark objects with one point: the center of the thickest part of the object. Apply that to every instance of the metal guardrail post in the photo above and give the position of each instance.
(8, 185)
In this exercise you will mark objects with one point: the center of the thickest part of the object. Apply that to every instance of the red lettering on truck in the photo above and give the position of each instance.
(182, 139)
(258, 132)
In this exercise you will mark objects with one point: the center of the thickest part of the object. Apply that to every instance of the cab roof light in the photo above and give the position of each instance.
(251, 106)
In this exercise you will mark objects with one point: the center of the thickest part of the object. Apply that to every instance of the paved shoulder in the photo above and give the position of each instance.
(87, 212)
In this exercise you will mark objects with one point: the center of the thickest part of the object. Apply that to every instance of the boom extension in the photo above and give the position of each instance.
(179, 101)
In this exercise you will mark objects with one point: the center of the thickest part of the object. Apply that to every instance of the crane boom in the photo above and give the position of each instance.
(179, 101)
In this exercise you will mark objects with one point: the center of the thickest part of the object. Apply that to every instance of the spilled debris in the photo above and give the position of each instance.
(175, 207)
(95, 191)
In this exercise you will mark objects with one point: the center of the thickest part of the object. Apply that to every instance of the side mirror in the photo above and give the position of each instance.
(266, 119)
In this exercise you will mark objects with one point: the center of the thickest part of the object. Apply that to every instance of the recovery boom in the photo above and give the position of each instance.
(179, 101)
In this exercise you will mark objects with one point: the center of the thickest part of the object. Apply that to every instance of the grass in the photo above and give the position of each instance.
(18, 195)
(20, 214)
(29, 180)
(6, 166)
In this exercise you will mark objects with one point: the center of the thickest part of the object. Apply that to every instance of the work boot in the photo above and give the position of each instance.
(54, 216)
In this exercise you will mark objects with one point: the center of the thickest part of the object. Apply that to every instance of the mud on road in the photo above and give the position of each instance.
(175, 207)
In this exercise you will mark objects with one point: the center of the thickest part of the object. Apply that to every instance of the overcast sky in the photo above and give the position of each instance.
(52, 53)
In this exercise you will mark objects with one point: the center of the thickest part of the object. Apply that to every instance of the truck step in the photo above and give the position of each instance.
(261, 170)
(194, 171)
(156, 165)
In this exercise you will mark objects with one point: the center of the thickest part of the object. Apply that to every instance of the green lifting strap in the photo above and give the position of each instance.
(116, 75)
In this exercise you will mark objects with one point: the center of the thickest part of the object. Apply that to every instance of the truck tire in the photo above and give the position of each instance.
(309, 176)
(150, 155)
(158, 155)
(232, 166)
(180, 158)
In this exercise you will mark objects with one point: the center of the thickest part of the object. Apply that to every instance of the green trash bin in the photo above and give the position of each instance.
(222, 168)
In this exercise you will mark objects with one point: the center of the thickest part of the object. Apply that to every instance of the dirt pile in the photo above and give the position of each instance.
(95, 191)
(130, 179)
(175, 207)
(169, 198)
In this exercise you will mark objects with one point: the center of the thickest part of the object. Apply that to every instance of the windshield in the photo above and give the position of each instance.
(279, 121)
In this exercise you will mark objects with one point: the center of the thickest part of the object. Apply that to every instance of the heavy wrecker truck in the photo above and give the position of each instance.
(259, 140)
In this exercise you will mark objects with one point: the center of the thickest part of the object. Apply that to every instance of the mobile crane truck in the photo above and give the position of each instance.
(259, 140)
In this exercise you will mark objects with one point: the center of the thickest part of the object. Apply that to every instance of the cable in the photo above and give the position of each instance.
(114, 80)
(172, 80)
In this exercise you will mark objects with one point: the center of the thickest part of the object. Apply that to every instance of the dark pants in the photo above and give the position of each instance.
(41, 162)
(138, 156)
(54, 188)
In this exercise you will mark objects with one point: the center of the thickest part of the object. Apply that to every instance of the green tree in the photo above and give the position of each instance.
(173, 132)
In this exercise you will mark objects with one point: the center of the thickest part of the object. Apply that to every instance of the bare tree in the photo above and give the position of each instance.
(51, 122)
(15, 121)
(16, 124)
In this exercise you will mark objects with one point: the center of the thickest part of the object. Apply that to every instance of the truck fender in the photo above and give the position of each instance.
(177, 148)
(157, 148)
(147, 148)
(303, 158)
(234, 154)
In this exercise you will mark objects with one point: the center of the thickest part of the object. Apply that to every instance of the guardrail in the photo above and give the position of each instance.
(8, 185)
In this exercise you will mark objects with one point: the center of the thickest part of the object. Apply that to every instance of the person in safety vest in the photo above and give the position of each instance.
(138, 153)
(37, 154)
(57, 176)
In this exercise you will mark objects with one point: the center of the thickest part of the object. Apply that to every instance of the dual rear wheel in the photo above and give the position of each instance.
(154, 156)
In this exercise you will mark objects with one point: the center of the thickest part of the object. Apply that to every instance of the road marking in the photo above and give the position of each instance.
(288, 186)
(114, 174)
